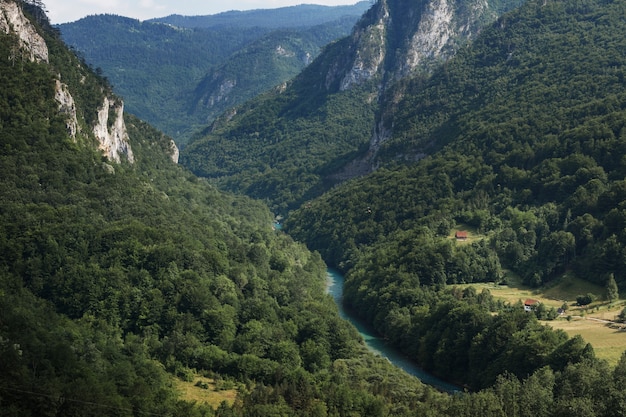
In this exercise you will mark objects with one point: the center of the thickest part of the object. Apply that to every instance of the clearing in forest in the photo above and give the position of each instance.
(596, 323)
(205, 390)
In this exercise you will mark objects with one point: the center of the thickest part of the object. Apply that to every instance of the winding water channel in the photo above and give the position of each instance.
(377, 344)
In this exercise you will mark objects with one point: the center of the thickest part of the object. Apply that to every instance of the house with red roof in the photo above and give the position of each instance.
(530, 304)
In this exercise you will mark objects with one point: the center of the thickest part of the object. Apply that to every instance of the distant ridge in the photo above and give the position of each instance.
(282, 17)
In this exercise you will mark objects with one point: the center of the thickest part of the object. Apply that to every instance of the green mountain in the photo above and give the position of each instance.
(123, 276)
(518, 138)
(303, 15)
(291, 144)
(179, 75)
(120, 272)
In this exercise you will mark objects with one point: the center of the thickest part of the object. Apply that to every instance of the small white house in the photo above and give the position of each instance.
(530, 304)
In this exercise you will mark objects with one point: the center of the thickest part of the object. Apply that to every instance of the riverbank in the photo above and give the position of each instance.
(377, 344)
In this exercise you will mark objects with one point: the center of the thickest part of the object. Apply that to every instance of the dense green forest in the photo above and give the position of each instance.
(520, 138)
(115, 279)
(297, 141)
(180, 74)
(286, 167)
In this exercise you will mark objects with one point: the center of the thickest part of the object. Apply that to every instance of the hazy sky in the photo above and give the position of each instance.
(62, 11)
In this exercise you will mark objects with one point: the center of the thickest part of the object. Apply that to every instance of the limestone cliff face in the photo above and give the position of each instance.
(174, 152)
(110, 130)
(369, 48)
(396, 39)
(33, 46)
(433, 33)
(13, 20)
(362, 57)
(67, 106)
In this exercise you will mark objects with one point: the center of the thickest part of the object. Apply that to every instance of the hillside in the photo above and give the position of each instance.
(120, 271)
(179, 75)
(292, 144)
(124, 278)
(519, 137)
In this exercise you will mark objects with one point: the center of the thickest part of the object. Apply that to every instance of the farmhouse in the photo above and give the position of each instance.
(460, 235)
(530, 304)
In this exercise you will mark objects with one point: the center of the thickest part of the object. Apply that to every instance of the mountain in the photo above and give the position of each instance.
(123, 276)
(263, 64)
(128, 286)
(303, 15)
(291, 144)
(518, 138)
(180, 77)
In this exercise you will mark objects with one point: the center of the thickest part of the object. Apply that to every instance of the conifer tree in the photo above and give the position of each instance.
(612, 292)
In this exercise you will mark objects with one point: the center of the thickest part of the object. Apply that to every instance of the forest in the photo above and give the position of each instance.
(116, 280)
(179, 73)
(520, 138)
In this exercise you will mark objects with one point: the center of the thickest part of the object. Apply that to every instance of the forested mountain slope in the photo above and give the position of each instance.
(291, 144)
(115, 277)
(179, 75)
(303, 15)
(119, 274)
(519, 138)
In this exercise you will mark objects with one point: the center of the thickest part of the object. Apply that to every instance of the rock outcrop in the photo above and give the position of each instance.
(33, 46)
(174, 151)
(67, 106)
(13, 20)
(110, 130)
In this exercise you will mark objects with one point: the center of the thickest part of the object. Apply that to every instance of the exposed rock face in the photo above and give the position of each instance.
(111, 134)
(433, 34)
(395, 39)
(370, 49)
(222, 93)
(12, 20)
(67, 106)
(174, 152)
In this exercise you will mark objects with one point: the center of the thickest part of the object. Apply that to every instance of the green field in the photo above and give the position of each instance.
(208, 393)
(594, 322)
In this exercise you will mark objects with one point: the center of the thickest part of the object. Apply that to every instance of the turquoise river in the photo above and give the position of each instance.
(377, 344)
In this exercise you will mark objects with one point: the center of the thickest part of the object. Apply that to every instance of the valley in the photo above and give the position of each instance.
(447, 160)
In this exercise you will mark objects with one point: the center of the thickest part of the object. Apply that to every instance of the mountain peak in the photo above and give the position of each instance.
(394, 39)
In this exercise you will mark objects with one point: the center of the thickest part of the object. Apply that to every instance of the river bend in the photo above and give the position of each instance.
(377, 344)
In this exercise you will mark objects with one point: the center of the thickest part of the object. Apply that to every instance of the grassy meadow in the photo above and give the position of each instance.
(205, 390)
(595, 322)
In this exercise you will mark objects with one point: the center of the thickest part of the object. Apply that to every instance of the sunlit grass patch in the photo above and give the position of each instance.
(608, 341)
(463, 234)
(590, 322)
(205, 390)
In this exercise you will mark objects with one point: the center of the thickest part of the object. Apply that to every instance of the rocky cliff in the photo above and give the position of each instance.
(13, 21)
(109, 129)
(330, 123)
(395, 39)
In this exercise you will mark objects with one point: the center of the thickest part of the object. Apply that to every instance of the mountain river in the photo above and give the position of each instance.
(377, 344)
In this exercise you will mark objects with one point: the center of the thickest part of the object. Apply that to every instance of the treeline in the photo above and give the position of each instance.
(299, 16)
